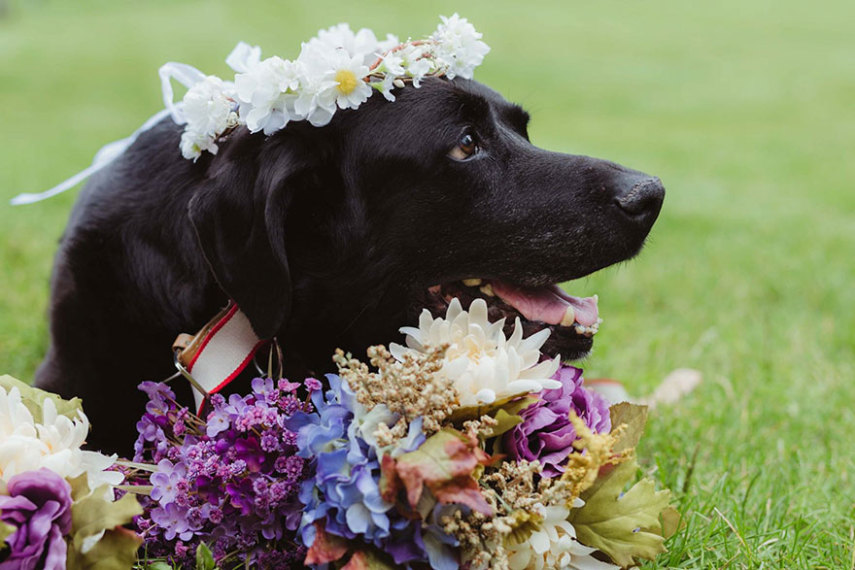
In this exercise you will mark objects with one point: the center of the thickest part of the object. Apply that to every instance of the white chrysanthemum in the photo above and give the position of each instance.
(266, 94)
(208, 110)
(484, 366)
(554, 546)
(459, 46)
(26, 445)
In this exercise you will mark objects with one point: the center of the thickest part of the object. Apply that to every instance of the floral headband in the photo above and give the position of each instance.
(338, 69)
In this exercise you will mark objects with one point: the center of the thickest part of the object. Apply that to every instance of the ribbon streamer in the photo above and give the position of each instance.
(186, 75)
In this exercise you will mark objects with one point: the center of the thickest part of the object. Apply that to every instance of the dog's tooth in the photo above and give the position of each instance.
(569, 317)
(471, 282)
(487, 289)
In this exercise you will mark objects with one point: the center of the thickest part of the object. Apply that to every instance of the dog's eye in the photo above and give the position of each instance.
(466, 147)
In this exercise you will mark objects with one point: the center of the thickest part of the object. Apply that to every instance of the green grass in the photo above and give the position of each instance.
(744, 109)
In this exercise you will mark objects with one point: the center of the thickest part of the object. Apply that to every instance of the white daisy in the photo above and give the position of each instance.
(349, 73)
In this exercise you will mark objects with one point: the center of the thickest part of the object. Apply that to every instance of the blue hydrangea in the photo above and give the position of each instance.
(345, 492)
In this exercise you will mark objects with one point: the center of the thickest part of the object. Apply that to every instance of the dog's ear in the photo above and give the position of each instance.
(239, 218)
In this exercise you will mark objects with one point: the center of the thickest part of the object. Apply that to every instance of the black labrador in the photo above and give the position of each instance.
(331, 237)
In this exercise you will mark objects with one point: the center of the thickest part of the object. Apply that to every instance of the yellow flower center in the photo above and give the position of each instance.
(347, 81)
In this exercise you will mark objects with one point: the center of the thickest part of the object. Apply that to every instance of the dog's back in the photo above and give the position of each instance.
(127, 274)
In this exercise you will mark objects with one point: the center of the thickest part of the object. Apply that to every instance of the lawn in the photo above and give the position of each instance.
(744, 109)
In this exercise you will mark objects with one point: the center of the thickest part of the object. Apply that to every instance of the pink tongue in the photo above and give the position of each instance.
(547, 304)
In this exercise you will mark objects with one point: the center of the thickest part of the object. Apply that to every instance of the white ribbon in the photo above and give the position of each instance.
(187, 75)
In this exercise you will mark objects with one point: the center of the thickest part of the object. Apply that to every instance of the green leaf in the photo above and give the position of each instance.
(33, 399)
(512, 404)
(445, 464)
(204, 558)
(624, 527)
(117, 550)
(508, 415)
(159, 565)
(635, 418)
(93, 514)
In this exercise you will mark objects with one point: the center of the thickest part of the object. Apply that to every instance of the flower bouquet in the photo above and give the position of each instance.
(463, 449)
(58, 503)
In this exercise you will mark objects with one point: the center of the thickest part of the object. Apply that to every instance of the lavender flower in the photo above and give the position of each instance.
(231, 482)
(546, 434)
(39, 507)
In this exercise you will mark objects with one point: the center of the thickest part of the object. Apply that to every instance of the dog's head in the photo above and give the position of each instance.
(337, 236)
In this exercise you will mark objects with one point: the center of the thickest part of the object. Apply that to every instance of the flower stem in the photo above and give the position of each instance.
(135, 465)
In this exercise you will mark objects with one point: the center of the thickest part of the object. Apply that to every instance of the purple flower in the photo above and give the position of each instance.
(220, 484)
(286, 386)
(218, 421)
(546, 434)
(173, 520)
(158, 393)
(166, 481)
(39, 507)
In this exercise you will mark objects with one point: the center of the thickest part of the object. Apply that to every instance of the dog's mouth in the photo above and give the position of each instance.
(573, 321)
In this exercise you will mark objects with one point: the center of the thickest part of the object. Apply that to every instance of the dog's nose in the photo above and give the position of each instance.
(643, 200)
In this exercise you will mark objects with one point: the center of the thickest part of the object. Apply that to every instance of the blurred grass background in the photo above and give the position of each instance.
(745, 109)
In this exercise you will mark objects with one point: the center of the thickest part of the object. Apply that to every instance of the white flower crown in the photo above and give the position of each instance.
(337, 69)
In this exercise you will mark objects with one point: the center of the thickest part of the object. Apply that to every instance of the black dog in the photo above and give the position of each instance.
(330, 237)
